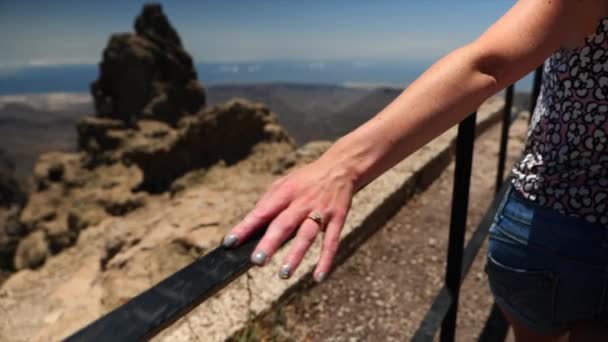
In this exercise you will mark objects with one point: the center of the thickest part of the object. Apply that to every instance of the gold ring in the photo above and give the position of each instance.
(316, 216)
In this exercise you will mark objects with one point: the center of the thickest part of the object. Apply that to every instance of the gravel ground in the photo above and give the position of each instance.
(382, 292)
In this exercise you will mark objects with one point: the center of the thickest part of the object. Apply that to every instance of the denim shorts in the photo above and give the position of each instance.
(545, 269)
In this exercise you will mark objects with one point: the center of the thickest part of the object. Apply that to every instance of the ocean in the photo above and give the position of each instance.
(77, 78)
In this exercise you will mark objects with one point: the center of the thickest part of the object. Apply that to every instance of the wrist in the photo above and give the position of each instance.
(351, 160)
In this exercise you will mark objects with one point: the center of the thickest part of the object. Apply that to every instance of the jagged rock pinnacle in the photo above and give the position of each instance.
(153, 24)
(147, 74)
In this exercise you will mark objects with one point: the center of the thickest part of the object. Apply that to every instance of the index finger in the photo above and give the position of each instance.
(264, 212)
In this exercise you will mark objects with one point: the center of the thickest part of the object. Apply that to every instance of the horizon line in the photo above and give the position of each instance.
(359, 62)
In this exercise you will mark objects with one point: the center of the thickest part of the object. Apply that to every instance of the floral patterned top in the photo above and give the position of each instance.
(564, 165)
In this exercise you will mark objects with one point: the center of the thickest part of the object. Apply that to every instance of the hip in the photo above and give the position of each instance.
(545, 268)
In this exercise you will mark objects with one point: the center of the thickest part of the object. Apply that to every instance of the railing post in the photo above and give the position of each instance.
(458, 220)
(538, 75)
(504, 138)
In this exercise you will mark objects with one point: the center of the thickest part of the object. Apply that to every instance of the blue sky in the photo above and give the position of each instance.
(75, 32)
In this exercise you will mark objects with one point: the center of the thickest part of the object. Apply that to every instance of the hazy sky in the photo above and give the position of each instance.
(75, 32)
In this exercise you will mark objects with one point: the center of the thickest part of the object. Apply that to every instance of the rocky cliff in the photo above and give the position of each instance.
(119, 257)
(121, 167)
(157, 181)
(150, 137)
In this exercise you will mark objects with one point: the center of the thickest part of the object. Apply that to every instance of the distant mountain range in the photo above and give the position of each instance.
(308, 112)
(77, 78)
(31, 124)
(36, 123)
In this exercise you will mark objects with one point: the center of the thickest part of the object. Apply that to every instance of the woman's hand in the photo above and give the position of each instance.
(441, 97)
(321, 187)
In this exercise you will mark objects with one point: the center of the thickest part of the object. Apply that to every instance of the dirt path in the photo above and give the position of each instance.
(382, 291)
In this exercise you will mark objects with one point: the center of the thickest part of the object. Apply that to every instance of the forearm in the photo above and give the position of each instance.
(438, 99)
(456, 85)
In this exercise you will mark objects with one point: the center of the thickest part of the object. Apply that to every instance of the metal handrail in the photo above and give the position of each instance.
(504, 137)
(153, 310)
(458, 220)
(444, 308)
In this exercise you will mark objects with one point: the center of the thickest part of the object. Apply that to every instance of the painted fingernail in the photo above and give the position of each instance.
(230, 240)
(285, 271)
(259, 258)
(320, 277)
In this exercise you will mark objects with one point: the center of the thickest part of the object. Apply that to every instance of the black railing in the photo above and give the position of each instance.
(458, 221)
(504, 138)
(538, 75)
(444, 309)
(153, 310)
(158, 307)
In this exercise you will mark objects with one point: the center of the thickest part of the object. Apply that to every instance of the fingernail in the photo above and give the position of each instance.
(320, 277)
(285, 271)
(259, 258)
(230, 240)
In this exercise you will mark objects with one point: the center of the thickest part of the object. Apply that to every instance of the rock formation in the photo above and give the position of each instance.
(147, 74)
(69, 197)
(150, 130)
(121, 166)
(156, 183)
(163, 153)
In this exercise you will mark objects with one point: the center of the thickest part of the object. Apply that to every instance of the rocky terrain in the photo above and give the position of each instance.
(141, 146)
(156, 181)
(121, 256)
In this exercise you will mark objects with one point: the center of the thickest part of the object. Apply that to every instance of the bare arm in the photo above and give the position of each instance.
(441, 97)
(457, 84)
